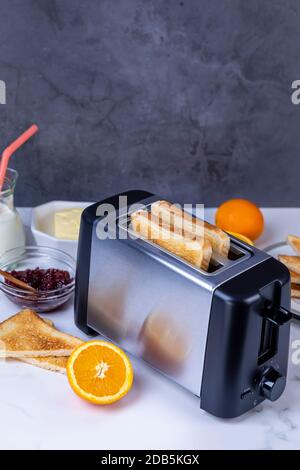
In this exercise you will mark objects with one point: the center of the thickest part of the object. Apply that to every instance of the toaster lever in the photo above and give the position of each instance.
(273, 317)
(278, 315)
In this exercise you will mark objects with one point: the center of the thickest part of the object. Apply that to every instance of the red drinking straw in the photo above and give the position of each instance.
(8, 152)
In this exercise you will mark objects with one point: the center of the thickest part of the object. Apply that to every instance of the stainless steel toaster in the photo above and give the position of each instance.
(223, 333)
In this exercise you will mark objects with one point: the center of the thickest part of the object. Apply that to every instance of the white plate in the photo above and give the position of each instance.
(283, 248)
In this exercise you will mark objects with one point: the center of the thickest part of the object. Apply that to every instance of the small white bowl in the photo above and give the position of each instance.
(42, 225)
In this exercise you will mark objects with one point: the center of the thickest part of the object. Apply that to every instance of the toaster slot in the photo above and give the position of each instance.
(217, 263)
(235, 253)
(268, 341)
(214, 266)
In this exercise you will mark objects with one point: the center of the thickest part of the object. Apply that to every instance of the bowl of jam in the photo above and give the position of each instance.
(51, 272)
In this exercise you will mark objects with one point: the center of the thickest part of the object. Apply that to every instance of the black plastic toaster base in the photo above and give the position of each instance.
(248, 341)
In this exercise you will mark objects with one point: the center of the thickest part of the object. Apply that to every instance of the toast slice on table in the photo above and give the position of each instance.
(294, 243)
(28, 335)
(295, 291)
(56, 364)
(196, 251)
(170, 213)
(295, 278)
(291, 262)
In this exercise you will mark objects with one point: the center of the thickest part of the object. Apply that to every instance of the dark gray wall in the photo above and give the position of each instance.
(187, 98)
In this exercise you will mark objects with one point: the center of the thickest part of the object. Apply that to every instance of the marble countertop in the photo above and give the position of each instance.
(39, 411)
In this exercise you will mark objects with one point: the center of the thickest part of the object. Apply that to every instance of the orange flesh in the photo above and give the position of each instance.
(99, 371)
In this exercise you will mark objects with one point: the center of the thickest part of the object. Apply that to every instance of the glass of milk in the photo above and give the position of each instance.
(11, 227)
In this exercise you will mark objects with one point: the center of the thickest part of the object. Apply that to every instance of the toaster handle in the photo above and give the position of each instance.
(278, 315)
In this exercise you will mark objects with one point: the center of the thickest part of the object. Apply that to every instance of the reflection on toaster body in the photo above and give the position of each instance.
(109, 309)
(132, 301)
(163, 343)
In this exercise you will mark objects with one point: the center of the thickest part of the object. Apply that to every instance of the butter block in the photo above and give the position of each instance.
(67, 223)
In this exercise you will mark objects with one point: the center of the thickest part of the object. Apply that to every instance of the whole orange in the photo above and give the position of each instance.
(241, 216)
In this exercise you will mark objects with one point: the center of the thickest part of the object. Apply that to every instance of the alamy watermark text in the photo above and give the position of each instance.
(2, 92)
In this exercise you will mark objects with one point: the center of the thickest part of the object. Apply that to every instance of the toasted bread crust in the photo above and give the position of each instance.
(294, 242)
(195, 250)
(219, 240)
(295, 278)
(291, 262)
(27, 335)
(295, 291)
(55, 364)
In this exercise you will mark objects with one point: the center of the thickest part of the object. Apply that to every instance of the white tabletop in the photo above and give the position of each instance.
(39, 410)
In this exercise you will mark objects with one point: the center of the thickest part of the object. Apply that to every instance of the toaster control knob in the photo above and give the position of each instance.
(272, 384)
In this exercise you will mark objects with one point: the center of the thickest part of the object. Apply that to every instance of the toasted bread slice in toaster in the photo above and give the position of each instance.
(295, 291)
(28, 335)
(291, 262)
(196, 251)
(294, 243)
(295, 278)
(170, 213)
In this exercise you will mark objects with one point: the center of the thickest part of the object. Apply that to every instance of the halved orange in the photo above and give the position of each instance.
(99, 372)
